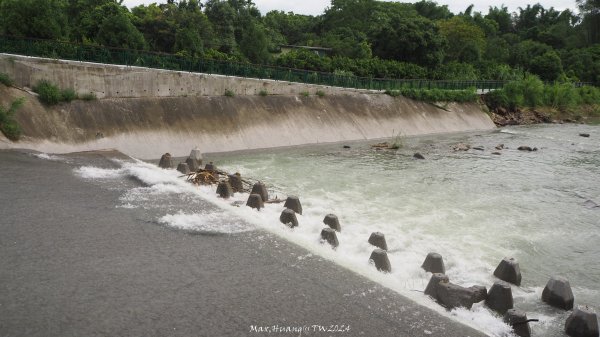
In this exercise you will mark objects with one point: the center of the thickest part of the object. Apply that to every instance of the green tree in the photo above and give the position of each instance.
(347, 42)
(432, 11)
(547, 66)
(591, 18)
(222, 16)
(46, 19)
(466, 41)
(110, 25)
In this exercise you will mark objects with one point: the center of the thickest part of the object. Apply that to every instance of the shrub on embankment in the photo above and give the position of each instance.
(51, 94)
(8, 124)
(6, 80)
(436, 95)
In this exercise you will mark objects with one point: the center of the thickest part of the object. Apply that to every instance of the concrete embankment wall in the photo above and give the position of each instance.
(146, 127)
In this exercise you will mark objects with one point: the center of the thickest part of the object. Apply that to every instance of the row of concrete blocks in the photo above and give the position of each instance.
(581, 323)
(192, 163)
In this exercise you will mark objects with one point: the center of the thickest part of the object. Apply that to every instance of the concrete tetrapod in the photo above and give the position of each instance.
(183, 168)
(517, 319)
(288, 218)
(434, 263)
(165, 161)
(293, 203)
(582, 323)
(255, 201)
(500, 297)
(558, 293)
(380, 258)
(508, 270)
(224, 190)
(377, 239)
(328, 235)
(332, 221)
(260, 189)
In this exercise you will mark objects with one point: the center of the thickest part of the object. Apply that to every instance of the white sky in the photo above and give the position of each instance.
(316, 7)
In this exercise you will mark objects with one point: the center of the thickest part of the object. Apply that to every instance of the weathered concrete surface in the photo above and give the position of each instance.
(148, 127)
(112, 81)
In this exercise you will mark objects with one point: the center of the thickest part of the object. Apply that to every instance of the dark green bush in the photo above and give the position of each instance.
(320, 93)
(88, 97)
(263, 93)
(8, 124)
(6, 80)
(436, 95)
(229, 93)
(496, 99)
(68, 95)
(48, 92)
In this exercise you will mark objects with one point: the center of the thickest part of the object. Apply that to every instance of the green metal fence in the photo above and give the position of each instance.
(129, 57)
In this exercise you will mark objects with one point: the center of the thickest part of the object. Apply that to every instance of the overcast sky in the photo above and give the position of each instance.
(316, 7)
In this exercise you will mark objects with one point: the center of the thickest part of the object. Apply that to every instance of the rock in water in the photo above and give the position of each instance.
(210, 167)
(418, 156)
(454, 296)
(432, 286)
(380, 258)
(586, 135)
(377, 239)
(332, 221)
(235, 180)
(434, 263)
(288, 218)
(500, 297)
(224, 190)
(293, 203)
(197, 155)
(508, 270)
(328, 235)
(255, 201)
(479, 293)
(260, 189)
(165, 161)
(192, 164)
(183, 168)
(558, 293)
(582, 323)
(517, 319)
(527, 148)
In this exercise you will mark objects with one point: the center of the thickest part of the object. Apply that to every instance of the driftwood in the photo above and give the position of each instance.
(209, 177)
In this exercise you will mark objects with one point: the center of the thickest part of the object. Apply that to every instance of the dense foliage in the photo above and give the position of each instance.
(368, 38)
(8, 124)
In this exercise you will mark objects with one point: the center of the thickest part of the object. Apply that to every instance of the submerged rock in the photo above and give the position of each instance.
(478, 148)
(418, 156)
(586, 135)
(461, 147)
(527, 148)
(183, 168)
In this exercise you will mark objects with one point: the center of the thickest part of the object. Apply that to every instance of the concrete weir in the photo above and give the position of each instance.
(146, 112)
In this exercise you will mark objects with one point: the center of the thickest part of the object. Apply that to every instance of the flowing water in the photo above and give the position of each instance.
(473, 207)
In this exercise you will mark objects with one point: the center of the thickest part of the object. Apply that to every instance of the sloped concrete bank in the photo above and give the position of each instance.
(148, 127)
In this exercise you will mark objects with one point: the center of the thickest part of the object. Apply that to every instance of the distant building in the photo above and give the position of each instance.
(286, 48)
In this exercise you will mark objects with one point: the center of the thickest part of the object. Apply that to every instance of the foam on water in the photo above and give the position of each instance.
(461, 205)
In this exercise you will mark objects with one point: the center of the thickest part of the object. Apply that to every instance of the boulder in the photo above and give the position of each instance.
(183, 168)
(288, 218)
(582, 323)
(210, 167)
(586, 135)
(293, 203)
(165, 161)
(517, 319)
(328, 235)
(434, 281)
(500, 147)
(508, 270)
(260, 189)
(235, 180)
(332, 221)
(558, 293)
(434, 263)
(418, 156)
(453, 296)
(381, 261)
(461, 147)
(255, 201)
(479, 293)
(377, 239)
(197, 155)
(500, 297)
(224, 190)
(527, 148)
(346, 146)
(478, 148)
(496, 153)
(192, 164)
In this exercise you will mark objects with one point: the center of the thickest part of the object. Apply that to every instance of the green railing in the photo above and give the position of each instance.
(129, 57)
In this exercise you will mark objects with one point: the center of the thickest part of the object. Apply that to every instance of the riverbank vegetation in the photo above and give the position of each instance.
(8, 125)
(367, 38)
